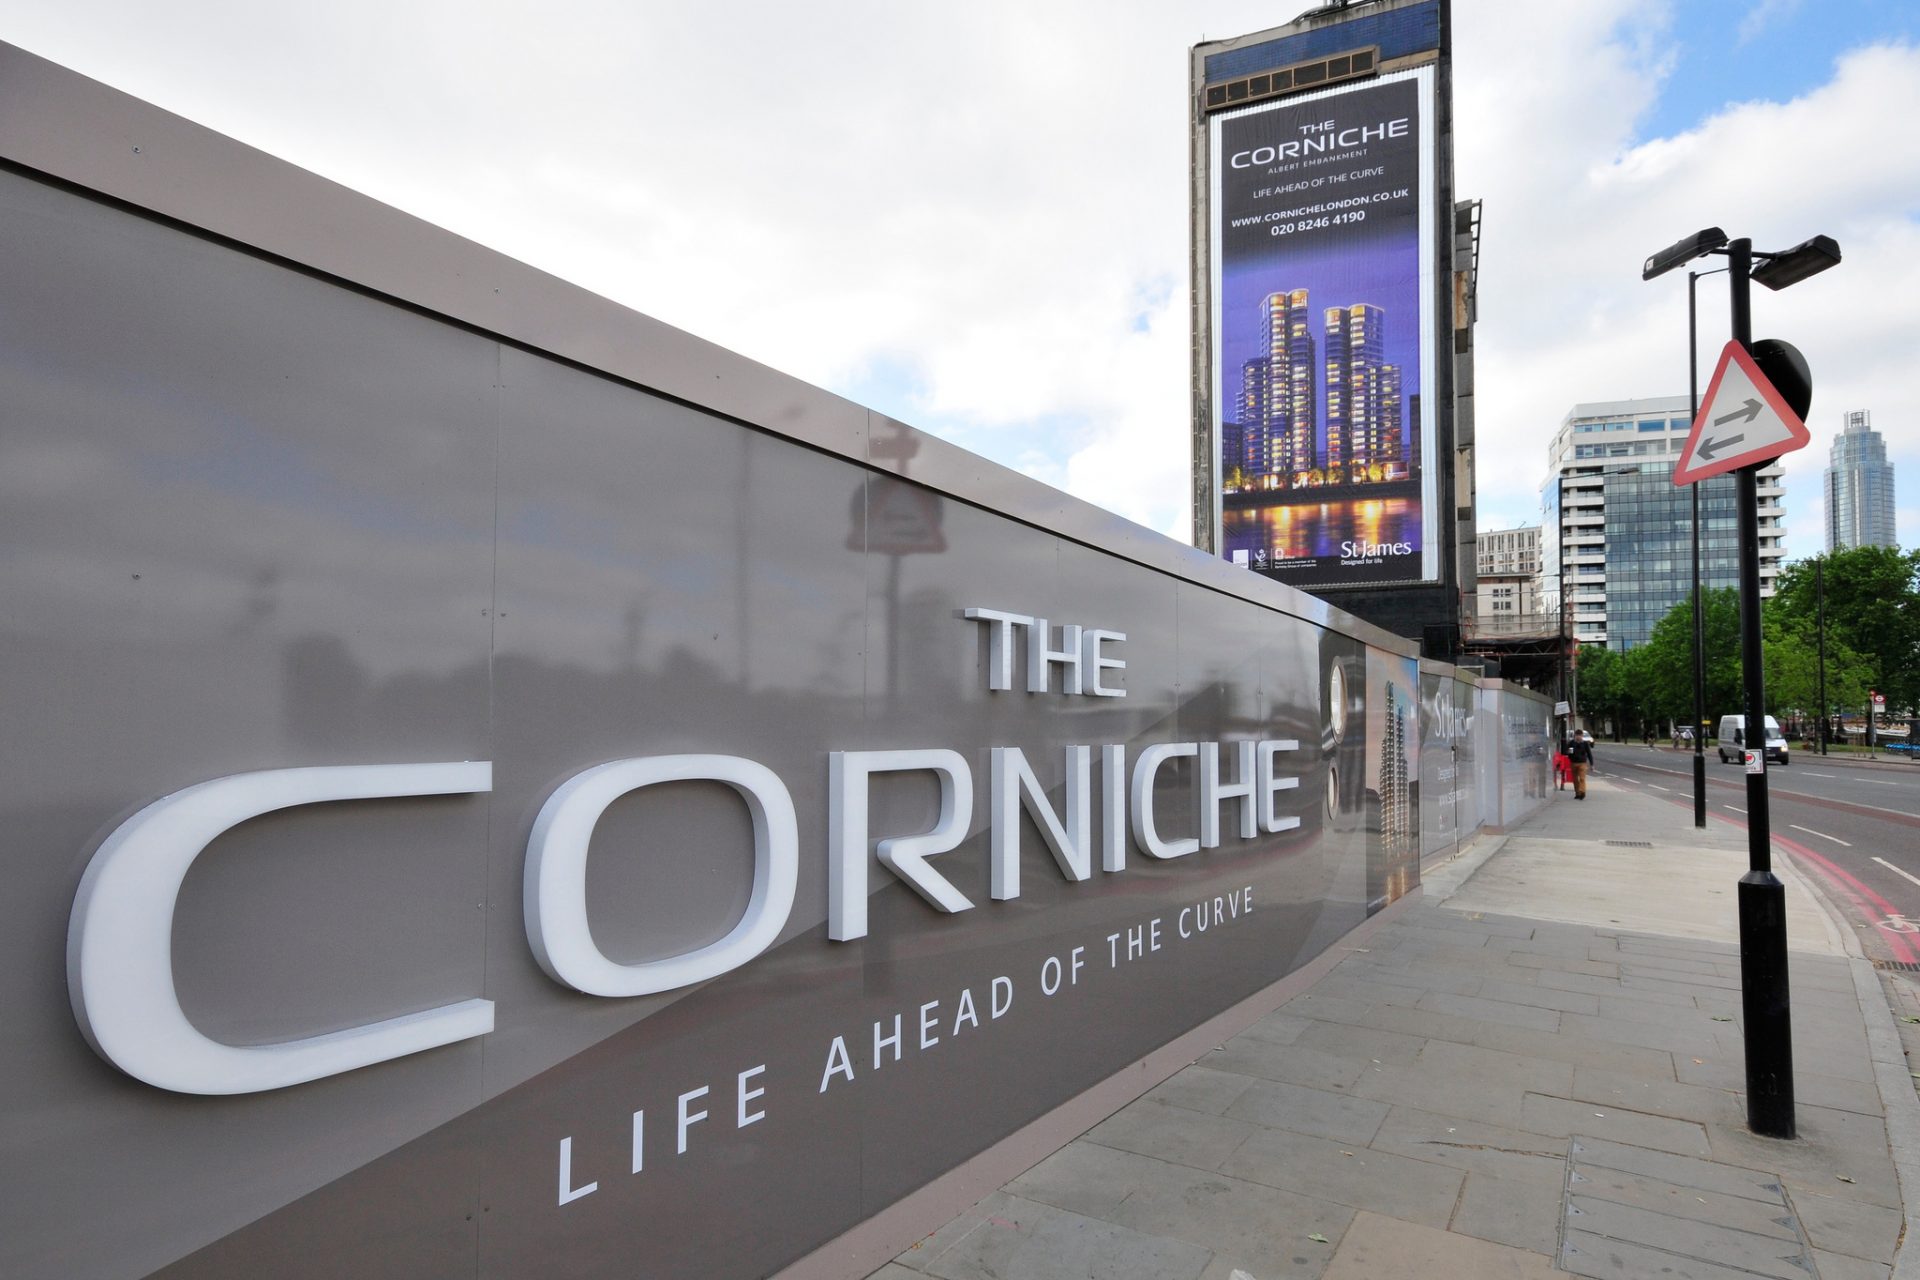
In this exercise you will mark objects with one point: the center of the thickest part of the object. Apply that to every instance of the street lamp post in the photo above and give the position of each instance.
(1699, 620)
(1820, 627)
(1767, 1020)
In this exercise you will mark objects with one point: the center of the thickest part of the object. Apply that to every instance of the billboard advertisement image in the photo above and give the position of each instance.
(1323, 306)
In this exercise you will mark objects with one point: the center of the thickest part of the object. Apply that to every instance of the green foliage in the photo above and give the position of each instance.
(1873, 611)
(1657, 678)
(1792, 653)
(1614, 685)
(1662, 669)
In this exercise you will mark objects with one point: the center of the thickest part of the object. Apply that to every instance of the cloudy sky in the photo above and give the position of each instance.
(974, 217)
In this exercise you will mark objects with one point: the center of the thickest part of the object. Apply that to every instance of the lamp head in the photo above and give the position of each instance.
(1681, 252)
(1809, 258)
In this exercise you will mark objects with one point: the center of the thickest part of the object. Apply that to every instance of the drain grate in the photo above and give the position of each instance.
(1631, 1211)
(1629, 844)
(1904, 966)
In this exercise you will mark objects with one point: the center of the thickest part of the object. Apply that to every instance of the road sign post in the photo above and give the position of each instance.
(1745, 422)
(1766, 1017)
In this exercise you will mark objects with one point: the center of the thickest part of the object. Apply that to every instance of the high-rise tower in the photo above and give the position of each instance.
(1859, 487)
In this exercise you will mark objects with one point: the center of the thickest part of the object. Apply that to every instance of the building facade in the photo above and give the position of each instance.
(1507, 594)
(1617, 533)
(1859, 487)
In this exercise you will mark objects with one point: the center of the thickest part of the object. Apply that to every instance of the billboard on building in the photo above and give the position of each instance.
(1322, 285)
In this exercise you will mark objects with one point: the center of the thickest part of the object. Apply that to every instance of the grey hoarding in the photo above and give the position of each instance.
(703, 787)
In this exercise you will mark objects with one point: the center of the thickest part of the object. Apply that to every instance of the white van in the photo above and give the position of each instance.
(1732, 743)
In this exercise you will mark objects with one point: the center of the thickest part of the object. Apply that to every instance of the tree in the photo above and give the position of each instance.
(1662, 669)
(1873, 609)
(1614, 685)
(1792, 656)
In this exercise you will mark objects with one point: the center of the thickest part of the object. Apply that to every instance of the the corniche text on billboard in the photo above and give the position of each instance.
(1322, 253)
(119, 946)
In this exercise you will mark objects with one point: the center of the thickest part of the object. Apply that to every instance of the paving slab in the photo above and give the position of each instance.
(1636, 1092)
(1483, 1010)
(1025, 1240)
(1288, 1063)
(1840, 1226)
(1487, 1101)
(1833, 1266)
(1512, 1155)
(1544, 1114)
(1381, 1246)
(1522, 1213)
(1365, 1044)
(1278, 1028)
(1261, 1228)
(1318, 1113)
(1357, 1176)
(1171, 1133)
(1539, 995)
(1200, 1088)
(1576, 1049)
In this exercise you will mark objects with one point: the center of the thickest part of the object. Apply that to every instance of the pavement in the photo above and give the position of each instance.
(1534, 1068)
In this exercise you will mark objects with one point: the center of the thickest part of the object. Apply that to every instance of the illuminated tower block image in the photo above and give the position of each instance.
(1291, 424)
(1357, 400)
(1392, 432)
(1256, 412)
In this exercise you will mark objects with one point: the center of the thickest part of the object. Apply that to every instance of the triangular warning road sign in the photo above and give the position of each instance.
(1743, 420)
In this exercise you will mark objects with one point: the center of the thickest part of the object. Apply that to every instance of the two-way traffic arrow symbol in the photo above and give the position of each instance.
(1747, 413)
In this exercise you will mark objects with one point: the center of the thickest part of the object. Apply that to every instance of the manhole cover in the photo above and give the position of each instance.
(1630, 844)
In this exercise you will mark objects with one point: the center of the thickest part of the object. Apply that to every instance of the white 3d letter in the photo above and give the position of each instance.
(905, 856)
(120, 937)
(555, 896)
(1013, 785)
(1145, 769)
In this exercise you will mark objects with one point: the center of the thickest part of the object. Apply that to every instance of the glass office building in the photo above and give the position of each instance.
(1859, 487)
(1617, 533)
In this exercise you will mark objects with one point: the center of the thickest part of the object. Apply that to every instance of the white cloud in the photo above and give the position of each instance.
(990, 202)
(1565, 317)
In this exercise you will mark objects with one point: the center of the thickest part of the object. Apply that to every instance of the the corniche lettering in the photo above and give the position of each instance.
(1318, 138)
(119, 938)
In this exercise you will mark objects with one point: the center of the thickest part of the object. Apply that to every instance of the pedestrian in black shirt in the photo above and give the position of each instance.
(1580, 752)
